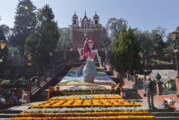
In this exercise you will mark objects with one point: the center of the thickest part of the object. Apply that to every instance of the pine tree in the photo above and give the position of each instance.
(3, 52)
(24, 24)
(2, 36)
(65, 41)
(44, 40)
(125, 53)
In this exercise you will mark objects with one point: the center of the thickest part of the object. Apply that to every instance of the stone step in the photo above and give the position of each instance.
(107, 72)
(5, 118)
(92, 118)
(131, 93)
(130, 90)
(7, 114)
(159, 115)
(3, 115)
(164, 115)
(7, 111)
(42, 96)
(91, 115)
(115, 79)
(168, 118)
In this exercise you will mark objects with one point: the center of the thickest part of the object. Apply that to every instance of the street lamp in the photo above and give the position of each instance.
(29, 57)
(26, 8)
(173, 35)
(141, 54)
(3, 44)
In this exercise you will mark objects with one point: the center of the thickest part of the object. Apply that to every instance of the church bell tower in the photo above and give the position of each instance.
(86, 28)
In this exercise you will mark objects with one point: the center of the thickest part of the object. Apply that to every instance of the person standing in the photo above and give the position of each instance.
(149, 87)
(14, 99)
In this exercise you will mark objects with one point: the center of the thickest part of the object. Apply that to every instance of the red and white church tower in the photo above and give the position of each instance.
(84, 28)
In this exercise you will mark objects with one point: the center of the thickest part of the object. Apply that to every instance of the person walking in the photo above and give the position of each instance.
(149, 87)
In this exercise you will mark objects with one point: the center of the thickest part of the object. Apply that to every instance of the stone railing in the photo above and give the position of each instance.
(161, 90)
(161, 66)
(50, 76)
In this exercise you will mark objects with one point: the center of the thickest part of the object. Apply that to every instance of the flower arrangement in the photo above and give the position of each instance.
(82, 92)
(82, 113)
(84, 84)
(84, 106)
(88, 101)
(85, 109)
(130, 117)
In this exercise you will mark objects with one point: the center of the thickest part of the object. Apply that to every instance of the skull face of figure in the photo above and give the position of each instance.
(90, 44)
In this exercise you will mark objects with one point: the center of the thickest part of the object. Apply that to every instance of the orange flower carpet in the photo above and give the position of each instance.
(86, 105)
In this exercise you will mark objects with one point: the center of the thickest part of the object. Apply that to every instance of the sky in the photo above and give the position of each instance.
(141, 14)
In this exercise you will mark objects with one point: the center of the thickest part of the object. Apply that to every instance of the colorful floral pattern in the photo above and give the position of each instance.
(93, 107)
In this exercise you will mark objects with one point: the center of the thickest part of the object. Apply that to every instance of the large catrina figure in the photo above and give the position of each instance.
(89, 52)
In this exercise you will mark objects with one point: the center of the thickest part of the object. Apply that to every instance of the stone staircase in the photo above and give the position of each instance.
(160, 114)
(165, 115)
(42, 96)
(131, 93)
(7, 114)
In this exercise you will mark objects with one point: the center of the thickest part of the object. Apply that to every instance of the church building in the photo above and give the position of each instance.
(83, 29)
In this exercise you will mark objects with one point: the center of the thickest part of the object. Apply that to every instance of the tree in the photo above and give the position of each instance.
(170, 46)
(104, 40)
(6, 30)
(24, 24)
(114, 26)
(125, 53)
(3, 52)
(65, 41)
(157, 39)
(144, 39)
(44, 40)
(2, 36)
(177, 28)
(169, 42)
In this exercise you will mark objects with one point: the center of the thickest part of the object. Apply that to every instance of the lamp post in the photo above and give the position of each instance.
(173, 35)
(142, 62)
(142, 56)
(51, 55)
(29, 57)
(3, 44)
(29, 64)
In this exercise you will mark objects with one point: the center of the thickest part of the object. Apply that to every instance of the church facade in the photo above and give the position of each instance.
(85, 28)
